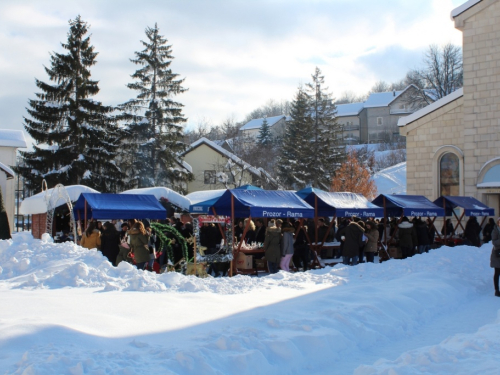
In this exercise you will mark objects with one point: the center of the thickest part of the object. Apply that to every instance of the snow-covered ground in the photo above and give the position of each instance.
(391, 180)
(66, 310)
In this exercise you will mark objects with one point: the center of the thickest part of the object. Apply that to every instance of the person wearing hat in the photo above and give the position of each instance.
(407, 236)
(371, 246)
(495, 256)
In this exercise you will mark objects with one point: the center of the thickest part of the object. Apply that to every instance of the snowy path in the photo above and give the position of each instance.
(431, 314)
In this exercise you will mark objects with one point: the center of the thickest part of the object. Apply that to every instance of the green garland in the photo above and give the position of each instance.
(164, 231)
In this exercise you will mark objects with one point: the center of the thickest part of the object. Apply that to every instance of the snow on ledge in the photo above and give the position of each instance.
(431, 107)
(462, 8)
(12, 138)
(9, 172)
(36, 203)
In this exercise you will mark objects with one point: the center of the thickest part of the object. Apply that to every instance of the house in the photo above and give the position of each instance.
(453, 144)
(375, 120)
(276, 124)
(10, 141)
(214, 167)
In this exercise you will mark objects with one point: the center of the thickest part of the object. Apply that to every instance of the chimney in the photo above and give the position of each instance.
(393, 92)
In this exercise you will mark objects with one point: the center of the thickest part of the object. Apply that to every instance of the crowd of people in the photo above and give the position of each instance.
(134, 241)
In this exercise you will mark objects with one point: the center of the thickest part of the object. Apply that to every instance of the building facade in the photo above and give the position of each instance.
(453, 144)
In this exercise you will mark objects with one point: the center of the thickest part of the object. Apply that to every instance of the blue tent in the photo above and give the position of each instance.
(408, 205)
(471, 206)
(203, 206)
(340, 204)
(119, 206)
(262, 203)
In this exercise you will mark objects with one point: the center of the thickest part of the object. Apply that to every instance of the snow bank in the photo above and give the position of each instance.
(430, 314)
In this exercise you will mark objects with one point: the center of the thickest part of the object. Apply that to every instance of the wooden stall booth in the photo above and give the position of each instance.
(267, 204)
(399, 206)
(335, 205)
(469, 206)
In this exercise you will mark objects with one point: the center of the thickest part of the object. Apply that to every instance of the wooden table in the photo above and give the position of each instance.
(251, 271)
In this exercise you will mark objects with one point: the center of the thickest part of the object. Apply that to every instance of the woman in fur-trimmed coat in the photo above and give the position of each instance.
(272, 248)
(139, 241)
(286, 246)
(371, 246)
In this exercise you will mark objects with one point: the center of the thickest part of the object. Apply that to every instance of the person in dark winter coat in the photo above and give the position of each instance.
(472, 231)
(301, 253)
(423, 241)
(260, 231)
(488, 229)
(110, 240)
(286, 246)
(353, 240)
(407, 236)
(494, 260)
(450, 231)
(272, 246)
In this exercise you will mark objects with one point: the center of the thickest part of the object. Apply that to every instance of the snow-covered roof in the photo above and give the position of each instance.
(431, 107)
(257, 123)
(391, 180)
(204, 195)
(351, 109)
(224, 152)
(9, 172)
(163, 192)
(462, 8)
(12, 138)
(381, 99)
(36, 203)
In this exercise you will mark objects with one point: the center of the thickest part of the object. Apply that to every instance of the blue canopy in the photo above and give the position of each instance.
(119, 206)
(471, 205)
(203, 207)
(262, 203)
(408, 205)
(340, 204)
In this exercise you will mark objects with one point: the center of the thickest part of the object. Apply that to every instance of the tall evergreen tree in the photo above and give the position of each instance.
(76, 138)
(327, 151)
(265, 137)
(294, 163)
(154, 120)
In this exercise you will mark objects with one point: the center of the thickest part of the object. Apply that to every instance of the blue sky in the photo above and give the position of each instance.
(235, 55)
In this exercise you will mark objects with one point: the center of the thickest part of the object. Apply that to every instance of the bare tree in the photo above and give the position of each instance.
(270, 109)
(441, 75)
(350, 97)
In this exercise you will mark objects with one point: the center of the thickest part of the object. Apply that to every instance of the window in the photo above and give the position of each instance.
(380, 120)
(209, 177)
(449, 174)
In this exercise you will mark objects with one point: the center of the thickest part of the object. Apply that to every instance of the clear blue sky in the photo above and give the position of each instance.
(235, 55)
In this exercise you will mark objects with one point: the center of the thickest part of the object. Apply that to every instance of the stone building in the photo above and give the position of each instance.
(453, 144)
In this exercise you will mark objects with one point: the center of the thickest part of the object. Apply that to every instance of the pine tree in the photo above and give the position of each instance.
(354, 178)
(265, 137)
(295, 160)
(76, 137)
(327, 150)
(154, 120)
(4, 221)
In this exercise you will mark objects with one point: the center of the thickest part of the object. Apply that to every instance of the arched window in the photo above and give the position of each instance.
(449, 174)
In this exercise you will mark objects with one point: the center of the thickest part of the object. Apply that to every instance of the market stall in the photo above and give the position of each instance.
(275, 204)
(333, 204)
(470, 206)
(406, 205)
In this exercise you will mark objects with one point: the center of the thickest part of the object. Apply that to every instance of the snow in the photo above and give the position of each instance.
(391, 180)
(257, 123)
(431, 107)
(350, 109)
(204, 195)
(8, 171)
(66, 310)
(36, 203)
(12, 138)
(462, 8)
(381, 99)
(163, 192)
